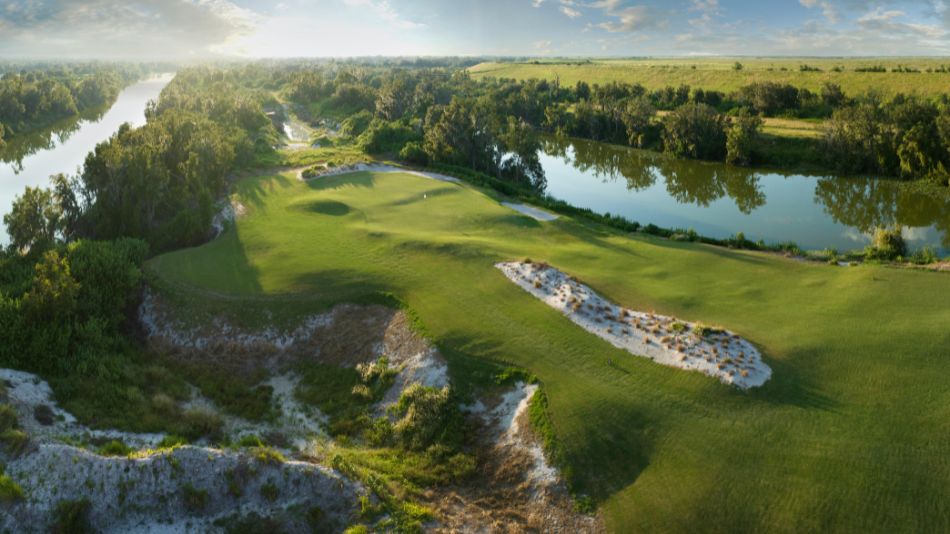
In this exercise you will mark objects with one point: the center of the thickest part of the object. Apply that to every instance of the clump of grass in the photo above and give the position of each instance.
(194, 499)
(268, 455)
(14, 441)
(10, 491)
(270, 492)
(72, 517)
(114, 448)
(8, 418)
(44, 414)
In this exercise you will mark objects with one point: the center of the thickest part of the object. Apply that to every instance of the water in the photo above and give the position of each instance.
(719, 201)
(29, 160)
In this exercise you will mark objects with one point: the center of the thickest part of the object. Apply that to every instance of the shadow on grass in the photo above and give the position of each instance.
(323, 207)
(423, 196)
(253, 192)
(606, 456)
(338, 286)
(792, 385)
(356, 179)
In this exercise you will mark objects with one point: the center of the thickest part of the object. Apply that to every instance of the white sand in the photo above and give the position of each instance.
(509, 422)
(725, 355)
(531, 211)
(378, 167)
(426, 368)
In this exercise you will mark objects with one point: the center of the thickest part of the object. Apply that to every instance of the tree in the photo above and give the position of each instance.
(638, 119)
(521, 164)
(742, 138)
(695, 131)
(832, 95)
(460, 135)
(33, 220)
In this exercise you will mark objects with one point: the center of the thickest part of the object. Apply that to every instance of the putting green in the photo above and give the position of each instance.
(852, 432)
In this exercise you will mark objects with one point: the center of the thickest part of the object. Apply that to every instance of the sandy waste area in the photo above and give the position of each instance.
(665, 340)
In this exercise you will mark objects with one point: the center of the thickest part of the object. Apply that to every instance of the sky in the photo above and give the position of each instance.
(182, 29)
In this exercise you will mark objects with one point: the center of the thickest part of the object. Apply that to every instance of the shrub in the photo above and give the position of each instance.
(200, 423)
(356, 123)
(194, 499)
(72, 517)
(887, 244)
(115, 448)
(270, 491)
(10, 491)
(414, 153)
(925, 256)
(269, 455)
(423, 411)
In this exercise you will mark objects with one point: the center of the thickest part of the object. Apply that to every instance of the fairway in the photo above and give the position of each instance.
(718, 74)
(852, 432)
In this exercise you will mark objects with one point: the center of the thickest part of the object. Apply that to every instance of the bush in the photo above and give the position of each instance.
(423, 412)
(925, 256)
(386, 137)
(194, 499)
(10, 491)
(115, 448)
(888, 244)
(414, 153)
(356, 123)
(72, 517)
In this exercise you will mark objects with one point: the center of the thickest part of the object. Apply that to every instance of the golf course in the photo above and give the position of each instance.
(851, 432)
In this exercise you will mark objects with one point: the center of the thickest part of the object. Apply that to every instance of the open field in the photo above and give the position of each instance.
(718, 74)
(852, 433)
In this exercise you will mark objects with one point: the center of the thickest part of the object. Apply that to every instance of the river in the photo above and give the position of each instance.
(717, 200)
(29, 160)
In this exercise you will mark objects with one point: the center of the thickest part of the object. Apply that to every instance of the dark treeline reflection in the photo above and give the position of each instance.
(862, 203)
(866, 203)
(687, 181)
(25, 145)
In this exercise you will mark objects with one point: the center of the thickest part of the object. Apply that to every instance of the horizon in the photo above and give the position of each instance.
(253, 29)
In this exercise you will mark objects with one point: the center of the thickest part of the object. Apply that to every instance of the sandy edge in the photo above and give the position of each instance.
(724, 355)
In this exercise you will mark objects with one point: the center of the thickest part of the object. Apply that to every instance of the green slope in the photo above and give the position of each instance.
(852, 433)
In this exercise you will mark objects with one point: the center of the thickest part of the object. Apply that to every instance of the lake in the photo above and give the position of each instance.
(30, 159)
(718, 200)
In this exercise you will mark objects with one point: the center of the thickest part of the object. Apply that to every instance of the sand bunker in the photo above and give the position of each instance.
(531, 211)
(313, 174)
(665, 340)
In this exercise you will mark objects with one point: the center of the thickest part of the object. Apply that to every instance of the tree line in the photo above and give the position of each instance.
(34, 98)
(441, 115)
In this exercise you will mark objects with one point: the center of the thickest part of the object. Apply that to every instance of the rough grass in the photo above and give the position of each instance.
(718, 74)
(851, 434)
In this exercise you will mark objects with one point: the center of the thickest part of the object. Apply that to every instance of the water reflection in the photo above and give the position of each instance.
(23, 146)
(720, 200)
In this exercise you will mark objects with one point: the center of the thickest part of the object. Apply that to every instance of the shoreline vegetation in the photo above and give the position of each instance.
(888, 246)
(37, 97)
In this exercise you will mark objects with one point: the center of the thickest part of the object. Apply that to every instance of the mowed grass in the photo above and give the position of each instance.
(718, 74)
(851, 434)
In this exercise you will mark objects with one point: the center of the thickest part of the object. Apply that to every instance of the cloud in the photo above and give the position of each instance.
(116, 28)
(626, 19)
(570, 12)
(384, 10)
(827, 9)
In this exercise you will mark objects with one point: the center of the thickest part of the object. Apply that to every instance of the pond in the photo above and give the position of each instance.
(716, 200)
(30, 159)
